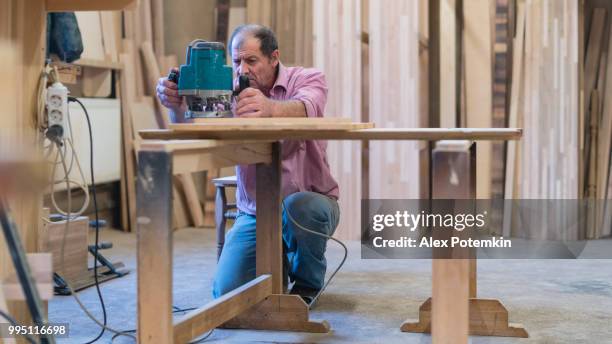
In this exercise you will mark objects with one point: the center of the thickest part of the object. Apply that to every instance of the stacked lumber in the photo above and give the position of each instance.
(545, 102)
(597, 129)
(144, 62)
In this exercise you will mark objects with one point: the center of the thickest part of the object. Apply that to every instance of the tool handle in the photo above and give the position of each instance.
(174, 76)
(243, 83)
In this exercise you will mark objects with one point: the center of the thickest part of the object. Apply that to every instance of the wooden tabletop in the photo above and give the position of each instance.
(199, 132)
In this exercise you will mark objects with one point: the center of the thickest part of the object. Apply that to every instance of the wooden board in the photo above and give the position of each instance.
(126, 91)
(605, 138)
(152, 75)
(22, 34)
(394, 96)
(75, 250)
(415, 134)
(87, 5)
(226, 124)
(591, 72)
(549, 151)
(337, 32)
(478, 82)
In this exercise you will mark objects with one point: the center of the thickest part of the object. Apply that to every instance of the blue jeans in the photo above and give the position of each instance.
(305, 252)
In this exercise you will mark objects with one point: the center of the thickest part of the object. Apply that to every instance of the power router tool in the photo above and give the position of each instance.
(206, 81)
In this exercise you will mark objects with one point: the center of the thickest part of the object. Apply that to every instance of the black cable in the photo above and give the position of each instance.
(174, 311)
(93, 192)
(316, 297)
(14, 322)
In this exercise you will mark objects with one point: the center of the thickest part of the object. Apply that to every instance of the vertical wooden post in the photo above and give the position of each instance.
(154, 194)
(454, 176)
(269, 247)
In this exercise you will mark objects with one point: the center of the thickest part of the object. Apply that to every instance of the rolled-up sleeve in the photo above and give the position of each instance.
(311, 89)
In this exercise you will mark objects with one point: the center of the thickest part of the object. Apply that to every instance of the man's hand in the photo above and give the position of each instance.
(253, 103)
(167, 92)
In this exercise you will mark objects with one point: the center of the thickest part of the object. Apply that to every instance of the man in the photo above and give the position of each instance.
(310, 193)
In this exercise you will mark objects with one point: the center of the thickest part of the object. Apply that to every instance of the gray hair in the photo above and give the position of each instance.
(267, 38)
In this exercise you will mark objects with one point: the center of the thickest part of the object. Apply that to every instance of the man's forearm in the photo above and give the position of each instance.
(289, 108)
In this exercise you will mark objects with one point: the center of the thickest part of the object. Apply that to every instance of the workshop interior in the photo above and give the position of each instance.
(129, 219)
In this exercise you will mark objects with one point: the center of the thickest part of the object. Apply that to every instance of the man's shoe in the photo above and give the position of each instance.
(307, 294)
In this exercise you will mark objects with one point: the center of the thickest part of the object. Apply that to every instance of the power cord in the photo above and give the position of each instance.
(102, 324)
(175, 310)
(314, 300)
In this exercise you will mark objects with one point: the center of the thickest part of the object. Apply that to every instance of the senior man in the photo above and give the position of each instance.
(310, 192)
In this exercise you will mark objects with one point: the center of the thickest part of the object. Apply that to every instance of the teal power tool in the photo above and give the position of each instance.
(206, 82)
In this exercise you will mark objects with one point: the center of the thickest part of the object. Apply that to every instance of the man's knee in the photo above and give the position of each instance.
(309, 209)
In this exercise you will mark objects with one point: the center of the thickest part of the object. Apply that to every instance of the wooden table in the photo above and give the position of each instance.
(260, 304)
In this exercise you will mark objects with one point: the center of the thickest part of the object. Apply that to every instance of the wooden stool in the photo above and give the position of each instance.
(223, 210)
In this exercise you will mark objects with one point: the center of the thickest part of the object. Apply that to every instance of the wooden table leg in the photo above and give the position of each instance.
(154, 194)
(277, 311)
(455, 311)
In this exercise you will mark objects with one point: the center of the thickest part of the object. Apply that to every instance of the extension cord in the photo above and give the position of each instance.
(314, 299)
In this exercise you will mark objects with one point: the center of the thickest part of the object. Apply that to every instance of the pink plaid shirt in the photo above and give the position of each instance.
(304, 163)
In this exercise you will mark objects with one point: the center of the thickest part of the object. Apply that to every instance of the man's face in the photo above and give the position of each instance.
(249, 60)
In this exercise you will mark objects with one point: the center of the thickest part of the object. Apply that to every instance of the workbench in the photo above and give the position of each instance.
(260, 303)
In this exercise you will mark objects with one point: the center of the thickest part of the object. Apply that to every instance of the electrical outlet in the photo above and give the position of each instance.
(57, 107)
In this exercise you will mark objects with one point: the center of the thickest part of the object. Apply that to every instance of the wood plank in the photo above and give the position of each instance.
(154, 248)
(448, 63)
(42, 272)
(157, 20)
(416, 134)
(518, 58)
(269, 247)
(87, 5)
(143, 115)
(125, 83)
(152, 75)
(218, 311)
(91, 35)
(593, 57)
(605, 138)
(227, 156)
(450, 320)
(279, 312)
(96, 82)
(395, 82)
(193, 201)
(226, 124)
(75, 247)
(487, 318)
(337, 32)
(478, 83)
(22, 34)
(272, 121)
(111, 31)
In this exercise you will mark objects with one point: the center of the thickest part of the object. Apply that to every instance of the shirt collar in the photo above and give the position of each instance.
(282, 79)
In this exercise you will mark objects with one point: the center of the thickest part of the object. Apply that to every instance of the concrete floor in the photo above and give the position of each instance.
(558, 301)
